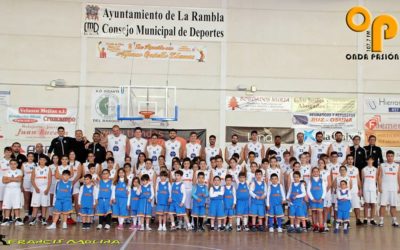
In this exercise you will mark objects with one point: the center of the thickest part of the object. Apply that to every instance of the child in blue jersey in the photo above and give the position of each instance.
(103, 200)
(135, 196)
(216, 209)
(242, 203)
(295, 197)
(275, 199)
(229, 202)
(87, 201)
(145, 199)
(177, 201)
(258, 193)
(316, 191)
(199, 195)
(163, 189)
(63, 200)
(344, 207)
(120, 197)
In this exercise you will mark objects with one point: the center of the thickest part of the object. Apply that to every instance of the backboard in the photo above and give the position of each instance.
(157, 103)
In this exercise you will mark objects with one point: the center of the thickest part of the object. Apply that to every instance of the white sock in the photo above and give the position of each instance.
(189, 225)
(245, 221)
(381, 220)
(120, 220)
(345, 225)
(219, 225)
(148, 225)
(238, 221)
(298, 225)
(394, 219)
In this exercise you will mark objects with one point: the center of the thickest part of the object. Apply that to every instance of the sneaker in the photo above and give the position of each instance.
(221, 228)
(271, 229)
(291, 229)
(365, 222)
(336, 231)
(5, 223)
(327, 229)
(372, 222)
(173, 228)
(299, 230)
(99, 227)
(238, 229)
(179, 226)
(395, 224)
(359, 223)
(44, 222)
(229, 229)
(189, 228)
(159, 228)
(253, 228)
(260, 228)
(280, 230)
(107, 227)
(305, 230)
(50, 219)
(52, 226)
(70, 221)
(148, 228)
(26, 218)
(380, 224)
(141, 228)
(164, 228)
(64, 225)
(33, 222)
(246, 228)
(346, 231)
(18, 222)
(315, 229)
(321, 230)
(120, 227)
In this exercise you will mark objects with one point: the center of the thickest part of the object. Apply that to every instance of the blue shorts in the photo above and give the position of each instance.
(257, 210)
(144, 209)
(119, 208)
(199, 211)
(216, 209)
(86, 211)
(103, 207)
(229, 212)
(242, 207)
(343, 215)
(297, 211)
(275, 211)
(63, 206)
(174, 208)
(162, 209)
(317, 205)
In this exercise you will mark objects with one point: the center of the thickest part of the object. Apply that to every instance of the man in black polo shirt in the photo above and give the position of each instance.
(16, 149)
(40, 153)
(80, 146)
(97, 149)
(61, 145)
(374, 151)
(358, 153)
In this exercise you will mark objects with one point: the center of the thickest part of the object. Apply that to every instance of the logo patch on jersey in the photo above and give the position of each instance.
(115, 148)
(138, 151)
(154, 158)
(172, 154)
(192, 155)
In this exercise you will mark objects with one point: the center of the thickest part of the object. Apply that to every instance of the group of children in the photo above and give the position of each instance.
(194, 194)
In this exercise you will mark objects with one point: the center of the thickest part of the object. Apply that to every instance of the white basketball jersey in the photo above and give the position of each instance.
(187, 178)
(352, 172)
(150, 172)
(137, 146)
(234, 149)
(271, 171)
(27, 168)
(334, 168)
(4, 167)
(13, 174)
(118, 146)
(256, 148)
(279, 152)
(285, 167)
(75, 168)
(153, 152)
(221, 172)
(343, 178)
(235, 174)
(251, 177)
(341, 149)
(369, 182)
(41, 176)
(53, 169)
(62, 168)
(193, 150)
(317, 149)
(305, 172)
(298, 149)
(389, 176)
(324, 174)
(172, 149)
(86, 169)
(211, 152)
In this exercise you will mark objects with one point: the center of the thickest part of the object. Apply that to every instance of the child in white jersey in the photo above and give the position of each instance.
(369, 174)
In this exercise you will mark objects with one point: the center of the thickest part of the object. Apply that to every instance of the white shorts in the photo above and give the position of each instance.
(355, 201)
(27, 185)
(12, 198)
(328, 200)
(370, 196)
(77, 186)
(188, 200)
(389, 198)
(2, 192)
(40, 199)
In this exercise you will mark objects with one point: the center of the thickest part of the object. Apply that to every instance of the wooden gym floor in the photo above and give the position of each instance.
(365, 237)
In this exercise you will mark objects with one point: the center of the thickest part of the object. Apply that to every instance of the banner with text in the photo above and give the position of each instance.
(329, 134)
(265, 135)
(381, 104)
(324, 105)
(258, 103)
(325, 120)
(150, 51)
(385, 138)
(146, 22)
(382, 122)
(104, 105)
(42, 115)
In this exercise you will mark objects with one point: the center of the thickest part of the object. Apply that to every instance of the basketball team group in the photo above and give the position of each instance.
(139, 184)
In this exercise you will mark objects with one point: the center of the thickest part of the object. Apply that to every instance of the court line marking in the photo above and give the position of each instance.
(126, 243)
(303, 242)
(180, 245)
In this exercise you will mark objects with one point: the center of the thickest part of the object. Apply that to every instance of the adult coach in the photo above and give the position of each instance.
(118, 143)
(359, 154)
(79, 146)
(39, 153)
(97, 149)
(17, 155)
(62, 144)
(374, 151)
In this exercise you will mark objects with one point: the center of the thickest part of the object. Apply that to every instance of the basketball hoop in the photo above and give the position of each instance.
(147, 113)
